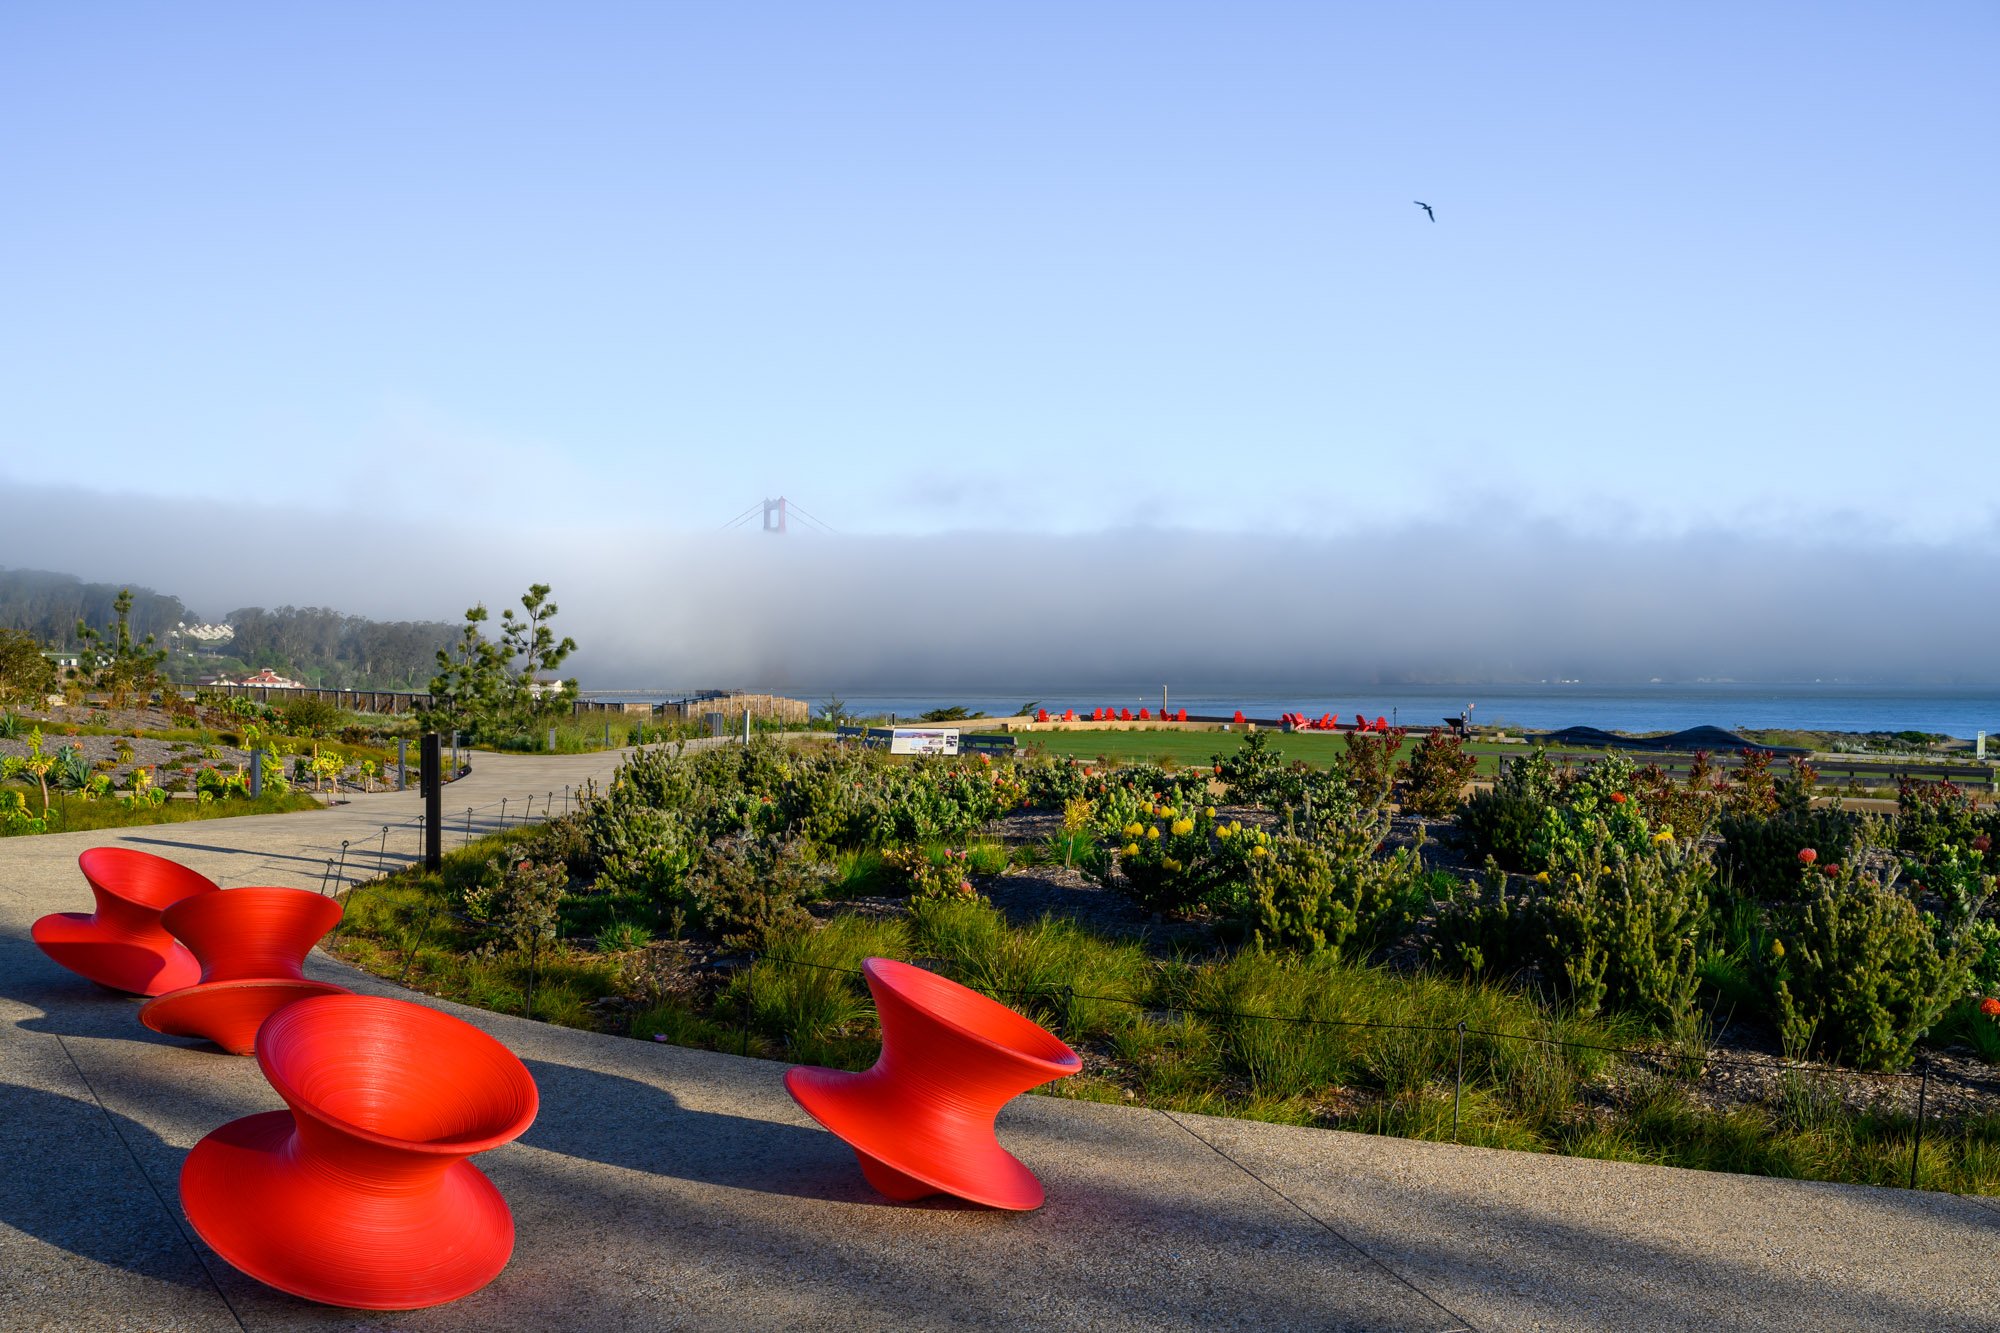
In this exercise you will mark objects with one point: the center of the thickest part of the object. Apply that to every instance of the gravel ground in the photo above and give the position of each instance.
(168, 759)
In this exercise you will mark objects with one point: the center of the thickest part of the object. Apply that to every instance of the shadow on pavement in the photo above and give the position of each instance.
(623, 1122)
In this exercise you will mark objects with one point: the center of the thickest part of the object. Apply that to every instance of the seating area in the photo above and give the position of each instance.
(1328, 722)
(360, 1194)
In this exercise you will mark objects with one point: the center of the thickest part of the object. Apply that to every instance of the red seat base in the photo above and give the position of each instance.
(335, 1240)
(978, 1170)
(135, 965)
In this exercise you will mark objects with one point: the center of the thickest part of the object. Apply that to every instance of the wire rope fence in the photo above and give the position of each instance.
(1044, 1003)
(356, 865)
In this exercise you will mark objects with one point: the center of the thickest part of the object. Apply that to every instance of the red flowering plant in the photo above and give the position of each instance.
(1590, 811)
(938, 873)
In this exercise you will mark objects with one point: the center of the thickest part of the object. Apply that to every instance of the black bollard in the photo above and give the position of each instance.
(430, 777)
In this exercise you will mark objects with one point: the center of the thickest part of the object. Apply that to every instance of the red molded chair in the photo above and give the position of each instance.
(252, 944)
(921, 1121)
(360, 1195)
(122, 944)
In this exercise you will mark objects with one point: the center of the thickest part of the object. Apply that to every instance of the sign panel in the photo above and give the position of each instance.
(924, 740)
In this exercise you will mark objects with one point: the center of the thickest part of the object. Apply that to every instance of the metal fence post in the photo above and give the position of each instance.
(1458, 1081)
(1917, 1140)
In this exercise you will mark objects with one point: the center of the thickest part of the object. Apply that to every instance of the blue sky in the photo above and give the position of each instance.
(1052, 268)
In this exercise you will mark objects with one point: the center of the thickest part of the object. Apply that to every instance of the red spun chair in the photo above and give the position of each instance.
(360, 1194)
(921, 1121)
(122, 944)
(252, 944)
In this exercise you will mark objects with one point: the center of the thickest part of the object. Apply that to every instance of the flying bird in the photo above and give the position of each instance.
(1427, 209)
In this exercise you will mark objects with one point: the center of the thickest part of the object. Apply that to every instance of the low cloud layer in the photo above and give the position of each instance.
(1473, 601)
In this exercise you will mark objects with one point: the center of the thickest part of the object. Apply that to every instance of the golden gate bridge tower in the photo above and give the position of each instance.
(778, 515)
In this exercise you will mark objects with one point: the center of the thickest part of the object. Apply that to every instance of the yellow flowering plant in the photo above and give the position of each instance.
(1180, 858)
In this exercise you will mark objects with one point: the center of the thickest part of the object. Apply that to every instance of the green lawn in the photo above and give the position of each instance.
(1186, 748)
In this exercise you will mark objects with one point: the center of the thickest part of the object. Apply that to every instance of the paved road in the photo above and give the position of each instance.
(666, 1188)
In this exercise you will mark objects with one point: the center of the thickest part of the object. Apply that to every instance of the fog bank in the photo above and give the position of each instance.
(1473, 601)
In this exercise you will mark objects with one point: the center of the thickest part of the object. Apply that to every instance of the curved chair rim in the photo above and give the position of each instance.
(517, 1073)
(907, 981)
(91, 862)
(278, 892)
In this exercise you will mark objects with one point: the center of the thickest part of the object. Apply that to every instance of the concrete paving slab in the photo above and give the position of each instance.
(1520, 1240)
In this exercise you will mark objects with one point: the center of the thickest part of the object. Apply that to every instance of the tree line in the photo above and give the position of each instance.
(312, 644)
(328, 648)
(49, 606)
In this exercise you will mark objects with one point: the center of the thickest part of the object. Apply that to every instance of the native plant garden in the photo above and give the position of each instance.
(1713, 970)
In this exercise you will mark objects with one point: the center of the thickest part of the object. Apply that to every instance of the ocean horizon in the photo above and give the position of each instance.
(1952, 711)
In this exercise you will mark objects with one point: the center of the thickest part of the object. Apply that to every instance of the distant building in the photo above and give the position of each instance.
(267, 678)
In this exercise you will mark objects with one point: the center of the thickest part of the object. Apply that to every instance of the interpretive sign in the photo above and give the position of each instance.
(924, 740)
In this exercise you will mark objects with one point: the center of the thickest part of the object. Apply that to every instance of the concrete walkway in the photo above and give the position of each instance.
(666, 1188)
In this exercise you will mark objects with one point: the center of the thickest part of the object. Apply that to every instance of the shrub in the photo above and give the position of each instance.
(1369, 764)
(1502, 825)
(1761, 854)
(745, 892)
(1435, 774)
(1755, 791)
(1931, 816)
(309, 717)
(1622, 930)
(519, 903)
(1630, 935)
(1690, 808)
(1858, 974)
(1252, 772)
(1304, 897)
(1055, 783)
(637, 848)
(923, 874)
(1174, 859)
